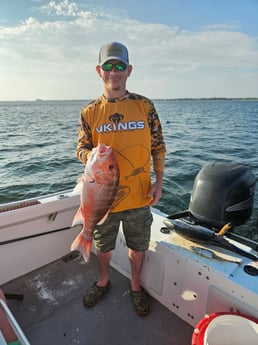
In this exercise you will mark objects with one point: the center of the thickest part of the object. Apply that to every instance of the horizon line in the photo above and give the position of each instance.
(158, 99)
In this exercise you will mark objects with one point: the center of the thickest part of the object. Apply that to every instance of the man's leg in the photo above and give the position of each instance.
(103, 263)
(105, 240)
(99, 288)
(136, 260)
(139, 296)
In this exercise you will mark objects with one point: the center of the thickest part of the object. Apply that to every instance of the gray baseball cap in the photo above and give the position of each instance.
(115, 51)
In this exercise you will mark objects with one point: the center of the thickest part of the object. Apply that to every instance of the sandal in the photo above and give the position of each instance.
(94, 294)
(140, 302)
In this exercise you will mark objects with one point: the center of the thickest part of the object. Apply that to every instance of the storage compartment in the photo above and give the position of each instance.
(222, 193)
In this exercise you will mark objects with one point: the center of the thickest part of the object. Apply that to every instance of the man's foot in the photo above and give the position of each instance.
(94, 294)
(140, 302)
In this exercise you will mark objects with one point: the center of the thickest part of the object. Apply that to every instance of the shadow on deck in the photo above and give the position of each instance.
(52, 312)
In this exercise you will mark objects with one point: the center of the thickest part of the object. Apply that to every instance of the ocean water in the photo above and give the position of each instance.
(38, 141)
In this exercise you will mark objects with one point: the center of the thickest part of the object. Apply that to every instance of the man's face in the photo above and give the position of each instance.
(115, 77)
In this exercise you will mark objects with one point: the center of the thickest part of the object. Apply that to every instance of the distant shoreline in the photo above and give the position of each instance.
(38, 100)
(210, 99)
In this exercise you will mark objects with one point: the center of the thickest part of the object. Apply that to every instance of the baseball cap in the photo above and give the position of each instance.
(113, 50)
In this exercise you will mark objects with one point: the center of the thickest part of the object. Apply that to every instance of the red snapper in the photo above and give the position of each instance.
(99, 186)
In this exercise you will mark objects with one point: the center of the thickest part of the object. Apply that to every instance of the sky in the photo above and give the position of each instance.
(178, 48)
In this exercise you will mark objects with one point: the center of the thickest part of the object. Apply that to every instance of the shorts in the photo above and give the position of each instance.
(136, 225)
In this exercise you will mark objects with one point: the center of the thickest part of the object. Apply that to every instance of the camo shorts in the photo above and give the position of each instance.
(136, 225)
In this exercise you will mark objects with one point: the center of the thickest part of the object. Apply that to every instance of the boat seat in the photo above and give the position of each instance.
(14, 324)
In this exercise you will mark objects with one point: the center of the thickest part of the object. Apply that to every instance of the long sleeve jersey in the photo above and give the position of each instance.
(131, 126)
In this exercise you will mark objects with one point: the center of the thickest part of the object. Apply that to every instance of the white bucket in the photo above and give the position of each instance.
(231, 330)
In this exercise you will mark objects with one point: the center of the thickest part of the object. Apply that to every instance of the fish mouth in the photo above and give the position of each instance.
(104, 148)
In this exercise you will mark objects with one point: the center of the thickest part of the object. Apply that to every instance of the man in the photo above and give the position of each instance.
(129, 124)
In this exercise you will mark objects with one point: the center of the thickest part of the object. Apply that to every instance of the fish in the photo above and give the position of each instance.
(98, 188)
(199, 233)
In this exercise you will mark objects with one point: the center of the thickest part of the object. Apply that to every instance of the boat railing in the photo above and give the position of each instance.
(15, 206)
(14, 324)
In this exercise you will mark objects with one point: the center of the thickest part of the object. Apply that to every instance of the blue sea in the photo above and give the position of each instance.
(38, 141)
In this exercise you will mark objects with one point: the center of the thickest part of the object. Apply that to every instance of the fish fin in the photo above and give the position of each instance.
(78, 218)
(82, 245)
(79, 185)
(102, 220)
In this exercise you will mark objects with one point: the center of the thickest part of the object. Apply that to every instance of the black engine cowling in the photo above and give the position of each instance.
(222, 193)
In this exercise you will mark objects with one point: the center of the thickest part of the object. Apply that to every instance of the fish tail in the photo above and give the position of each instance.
(83, 245)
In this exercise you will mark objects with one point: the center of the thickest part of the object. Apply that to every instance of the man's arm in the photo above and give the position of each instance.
(158, 166)
(84, 144)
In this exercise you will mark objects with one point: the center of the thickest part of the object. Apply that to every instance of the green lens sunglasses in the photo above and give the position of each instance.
(119, 66)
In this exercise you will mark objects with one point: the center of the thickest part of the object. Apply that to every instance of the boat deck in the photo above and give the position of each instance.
(52, 311)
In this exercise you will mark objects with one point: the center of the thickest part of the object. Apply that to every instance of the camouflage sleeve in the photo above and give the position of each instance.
(84, 144)
(159, 161)
(158, 148)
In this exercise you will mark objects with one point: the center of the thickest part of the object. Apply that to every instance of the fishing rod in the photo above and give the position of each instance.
(199, 233)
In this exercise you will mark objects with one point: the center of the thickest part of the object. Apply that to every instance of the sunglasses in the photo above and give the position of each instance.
(119, 66)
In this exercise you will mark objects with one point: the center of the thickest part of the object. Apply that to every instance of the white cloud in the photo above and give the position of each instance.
(222, 26)
(63, 8)
(56, 58)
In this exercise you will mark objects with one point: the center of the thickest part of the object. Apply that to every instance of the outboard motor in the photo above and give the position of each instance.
(222, 197)
(222, 193)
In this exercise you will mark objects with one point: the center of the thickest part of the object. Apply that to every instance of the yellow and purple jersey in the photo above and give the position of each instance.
(131, 126)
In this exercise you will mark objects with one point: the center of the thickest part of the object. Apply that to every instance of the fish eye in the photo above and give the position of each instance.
(111, 167)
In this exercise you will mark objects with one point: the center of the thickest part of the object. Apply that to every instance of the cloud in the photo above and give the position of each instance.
(55, 57)
(222, 26)
(63, 8)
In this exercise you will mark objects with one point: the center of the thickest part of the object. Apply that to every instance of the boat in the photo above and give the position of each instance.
(193, 268)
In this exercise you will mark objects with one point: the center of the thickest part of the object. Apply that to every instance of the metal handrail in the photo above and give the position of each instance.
(2, 340)
(17, 329)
